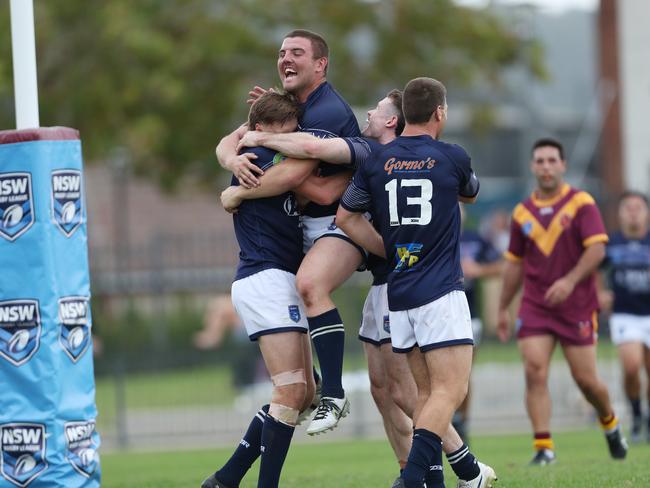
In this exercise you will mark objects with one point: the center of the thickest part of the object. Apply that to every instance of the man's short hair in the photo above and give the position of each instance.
(633, 194)
(273, 107)
(549, 142)
(422, 97)
(318, 44)
(395, 97)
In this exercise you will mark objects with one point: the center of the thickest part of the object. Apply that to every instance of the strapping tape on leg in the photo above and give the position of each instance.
(289, 378)
(284, 414)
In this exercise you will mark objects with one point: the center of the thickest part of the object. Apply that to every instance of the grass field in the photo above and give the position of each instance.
(583, 461)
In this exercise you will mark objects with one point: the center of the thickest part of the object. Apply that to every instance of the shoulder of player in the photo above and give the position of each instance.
(453, 151)
(265, 157)
(580, 197)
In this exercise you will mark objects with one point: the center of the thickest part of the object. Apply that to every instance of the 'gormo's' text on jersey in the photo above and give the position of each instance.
(411, 187)
(268, 229)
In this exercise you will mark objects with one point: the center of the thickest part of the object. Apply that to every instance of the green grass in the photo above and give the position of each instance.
(582, 462)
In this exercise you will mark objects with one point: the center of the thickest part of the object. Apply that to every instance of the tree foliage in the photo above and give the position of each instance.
(168, 79)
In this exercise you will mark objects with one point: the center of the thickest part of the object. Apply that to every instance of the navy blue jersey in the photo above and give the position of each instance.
(325, 114)
(411, 187)
(629, 261)
(479, 250)
(361, 149)
(268, 229)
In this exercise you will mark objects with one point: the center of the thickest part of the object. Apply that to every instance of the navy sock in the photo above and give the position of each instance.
(426, 452)
(635, 403)
(246, 453)
(276, 438)
(327, 333)
(464, 463)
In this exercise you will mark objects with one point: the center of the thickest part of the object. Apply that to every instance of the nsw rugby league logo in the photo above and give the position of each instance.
(67, 209)
(81, 447)
(23, 452)
(16, 204)
(74, 322)
(20, 330)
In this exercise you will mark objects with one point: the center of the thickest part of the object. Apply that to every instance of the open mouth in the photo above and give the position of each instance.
(290, 73)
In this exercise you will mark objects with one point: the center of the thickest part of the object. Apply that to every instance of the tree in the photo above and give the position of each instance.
(168, 79)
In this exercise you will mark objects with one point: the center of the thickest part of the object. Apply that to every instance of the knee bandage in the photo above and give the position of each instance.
(289, 378)
(284, 414)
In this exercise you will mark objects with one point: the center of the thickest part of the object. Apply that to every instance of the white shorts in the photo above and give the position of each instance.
(442, 323)
(313, 228)
(268, 303)
(477, 330)
(375, 321)
(626, 327)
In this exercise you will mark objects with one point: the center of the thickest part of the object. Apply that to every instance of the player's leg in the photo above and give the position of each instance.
(326, 266)
(461, 416)
(285, 361)
(397, 424)
(536, 352)
(628, 334)
(582, 362)
(631, 355)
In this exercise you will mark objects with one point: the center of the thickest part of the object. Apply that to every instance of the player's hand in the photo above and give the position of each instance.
(256, 93)
(559, 291)
(503, 325)
(471, 269)
(245, 171)
(249, 139)
(230, 199)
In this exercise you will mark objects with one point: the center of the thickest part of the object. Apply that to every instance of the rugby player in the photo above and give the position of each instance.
(331, 257)
(266, 299)
(628, 260)
(428, 308)
(557, 241)
(391, 382)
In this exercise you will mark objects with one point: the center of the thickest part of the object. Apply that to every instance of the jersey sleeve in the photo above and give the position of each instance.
(360, 150)
(265, 157)
(357, 196)
(516, 248)
(590, 222)
(464, 168)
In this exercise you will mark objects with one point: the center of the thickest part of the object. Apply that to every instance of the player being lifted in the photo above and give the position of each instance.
(391, 381)
(264, 294)
(557, 241)
(331, 257)
(412, 186)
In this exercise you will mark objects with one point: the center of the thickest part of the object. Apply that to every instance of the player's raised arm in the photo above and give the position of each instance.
(301, 145)
(239, 165)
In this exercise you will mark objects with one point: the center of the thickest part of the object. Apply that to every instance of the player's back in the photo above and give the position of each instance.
(268, 229)
(415, 182)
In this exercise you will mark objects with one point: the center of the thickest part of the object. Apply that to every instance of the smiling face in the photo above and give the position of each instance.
(299, 72)
(549, 168)
(381, 118)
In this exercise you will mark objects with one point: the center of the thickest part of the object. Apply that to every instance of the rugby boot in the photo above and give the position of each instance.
(543, 457)
(328, 414)
(616, 443)
(485, 479)
(213, 482)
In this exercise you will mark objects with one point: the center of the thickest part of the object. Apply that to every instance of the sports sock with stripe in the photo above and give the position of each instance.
(464, 464)
(276, 439)
(327, 333)
(246, 453)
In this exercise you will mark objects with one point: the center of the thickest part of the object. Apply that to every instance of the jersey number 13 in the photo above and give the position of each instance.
(423, 201)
